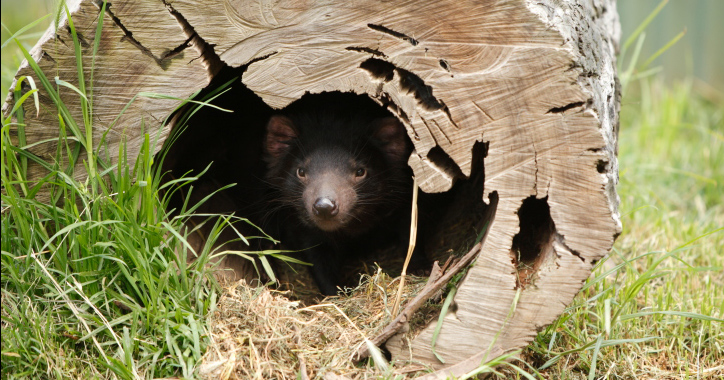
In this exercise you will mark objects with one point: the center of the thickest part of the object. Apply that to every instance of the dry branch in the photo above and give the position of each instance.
(437, 281)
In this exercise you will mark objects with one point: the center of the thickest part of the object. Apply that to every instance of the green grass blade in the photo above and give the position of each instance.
(63, 83)
(644, 25)
(664, 48)
(596, 350)
(22, 30)
(682, 314)
(440, 319)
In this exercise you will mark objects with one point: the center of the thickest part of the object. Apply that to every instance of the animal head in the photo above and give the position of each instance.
(336, 171)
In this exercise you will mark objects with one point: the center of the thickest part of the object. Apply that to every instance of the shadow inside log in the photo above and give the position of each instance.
(227, 148)
(224, 143)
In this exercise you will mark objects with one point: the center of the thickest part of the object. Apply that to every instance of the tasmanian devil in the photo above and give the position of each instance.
(340, 183)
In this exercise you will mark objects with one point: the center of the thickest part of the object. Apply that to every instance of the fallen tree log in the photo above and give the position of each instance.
(532, 82)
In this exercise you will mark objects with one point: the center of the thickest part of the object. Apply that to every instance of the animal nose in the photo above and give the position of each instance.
(325, 207)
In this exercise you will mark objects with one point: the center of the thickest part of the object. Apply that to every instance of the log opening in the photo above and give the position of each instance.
(228, 147)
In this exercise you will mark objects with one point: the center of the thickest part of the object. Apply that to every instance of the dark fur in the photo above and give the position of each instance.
(334, 137)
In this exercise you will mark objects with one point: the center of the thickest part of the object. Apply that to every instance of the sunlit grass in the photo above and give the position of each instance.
(95, 282)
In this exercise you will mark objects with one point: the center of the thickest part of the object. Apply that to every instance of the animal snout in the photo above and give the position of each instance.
(325, 207)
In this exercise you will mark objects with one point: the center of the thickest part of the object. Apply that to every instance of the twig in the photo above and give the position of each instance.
(436, 282)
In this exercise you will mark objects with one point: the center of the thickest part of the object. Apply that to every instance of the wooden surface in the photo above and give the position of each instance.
(533, 80)
(152, 56)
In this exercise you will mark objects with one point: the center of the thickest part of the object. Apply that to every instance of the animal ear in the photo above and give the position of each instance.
(280, 132)
(391, 133)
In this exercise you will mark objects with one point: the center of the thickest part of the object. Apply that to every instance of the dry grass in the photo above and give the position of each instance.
(258, 333)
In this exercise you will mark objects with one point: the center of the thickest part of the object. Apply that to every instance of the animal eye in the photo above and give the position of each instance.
(360, 172)
(301, 173)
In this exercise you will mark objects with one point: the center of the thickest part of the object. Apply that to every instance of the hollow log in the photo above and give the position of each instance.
(533, 82)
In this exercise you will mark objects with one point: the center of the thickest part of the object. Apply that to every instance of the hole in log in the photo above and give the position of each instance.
(534, 240)
(443, 162)
(363, 49)
(444, 65)
(422, 92)
(409, 82)
(602, 166)
(379, 69)
(566, 107)
(236, 145)
(465, 214)
(393, 33)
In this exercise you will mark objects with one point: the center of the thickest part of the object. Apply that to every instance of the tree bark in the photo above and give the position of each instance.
(533, 81)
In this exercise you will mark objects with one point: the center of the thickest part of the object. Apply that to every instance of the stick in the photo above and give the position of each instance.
(436, 281)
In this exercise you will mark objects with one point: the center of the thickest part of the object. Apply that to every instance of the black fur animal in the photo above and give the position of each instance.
(337, 165)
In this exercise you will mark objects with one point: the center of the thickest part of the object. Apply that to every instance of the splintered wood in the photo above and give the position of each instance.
(534, 82)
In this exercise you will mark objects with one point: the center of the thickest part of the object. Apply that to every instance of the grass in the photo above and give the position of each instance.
(15, 16)
(92, 286)
(95, 282)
